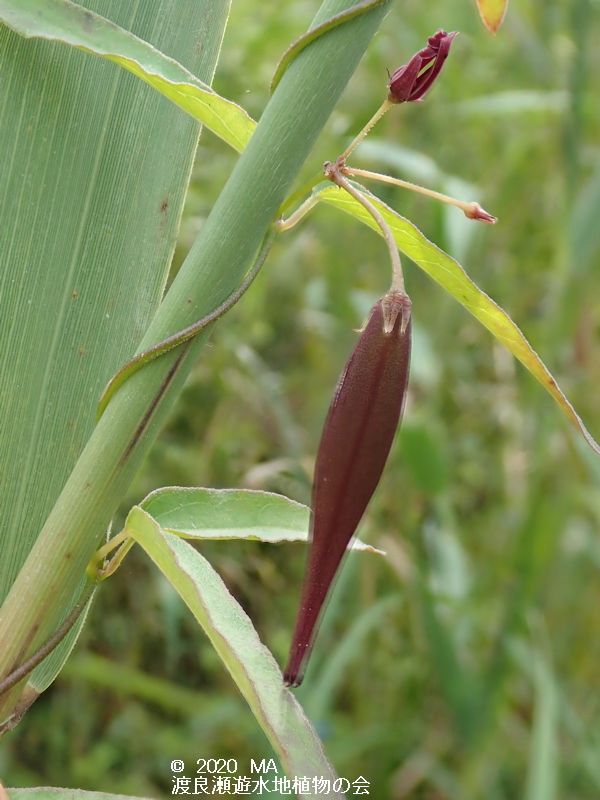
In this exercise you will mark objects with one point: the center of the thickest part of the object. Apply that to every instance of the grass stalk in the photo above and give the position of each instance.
(229, 240)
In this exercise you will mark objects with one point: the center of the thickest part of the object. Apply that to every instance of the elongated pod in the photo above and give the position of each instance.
(356, 439)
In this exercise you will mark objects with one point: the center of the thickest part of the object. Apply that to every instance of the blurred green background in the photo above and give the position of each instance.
(465, 665)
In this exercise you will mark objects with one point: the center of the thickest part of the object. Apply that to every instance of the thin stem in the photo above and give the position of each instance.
(217, 262)
(310, 184)
(385, 106)
(123, 542)
(107, 548)
(17, 675)
(333, 172)
(115, 561)
(296, 196)
(472, 210)
(299, 214)
(94, 574)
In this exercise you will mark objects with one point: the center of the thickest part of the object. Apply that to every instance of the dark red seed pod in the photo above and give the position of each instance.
(356, 439)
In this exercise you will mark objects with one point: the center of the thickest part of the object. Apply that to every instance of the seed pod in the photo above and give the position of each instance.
(356, 439)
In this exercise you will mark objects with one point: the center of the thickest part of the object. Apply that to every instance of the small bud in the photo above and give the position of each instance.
(412, 81)
(356, 439)
(475, 211)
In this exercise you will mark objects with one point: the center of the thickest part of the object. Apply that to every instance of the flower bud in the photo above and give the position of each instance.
(355, 442)
(475, 211)
(411, 81)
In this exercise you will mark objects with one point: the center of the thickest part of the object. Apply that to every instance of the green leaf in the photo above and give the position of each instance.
(492, 13)
(544, 762)
(227, 243)
(321, 29)
(452, 277)
(93, 177)
(233, 636)
(231, 514)
(68, 23)
(584, 232)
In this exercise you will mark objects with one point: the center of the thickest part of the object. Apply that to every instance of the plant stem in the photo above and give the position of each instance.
(383, 108)
(123, 542)
(216, 264)
(296, 196)
(184, 335)
(471, 209)
(299, 214)
(333, 172)
(95, 574)
(17, 675)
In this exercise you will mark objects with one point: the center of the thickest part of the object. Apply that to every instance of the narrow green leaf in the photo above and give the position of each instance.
(584, 233)
(492, 13)
(347, 651)
(94, 170)
(543, 773)
(452, 277)
(68, 23)
(97, 672)
(215, 266)
(459, 684)
(233, 636)
(231, 514)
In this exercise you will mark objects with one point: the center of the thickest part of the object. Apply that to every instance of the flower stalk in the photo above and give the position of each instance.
(333, 171)
(369, 398)
(472, 209)
(409, 83)
(383, 109)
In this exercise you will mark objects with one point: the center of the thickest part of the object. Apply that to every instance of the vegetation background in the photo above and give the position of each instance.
(465, 664)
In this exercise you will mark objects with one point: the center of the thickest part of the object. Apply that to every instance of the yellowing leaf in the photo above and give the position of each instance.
(492, 13)
(452, 277)
(68, 23)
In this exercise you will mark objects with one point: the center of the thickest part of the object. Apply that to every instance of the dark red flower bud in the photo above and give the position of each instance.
(411, 81)
(356, 439)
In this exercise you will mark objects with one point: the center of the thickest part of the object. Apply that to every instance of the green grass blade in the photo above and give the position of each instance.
(233, 636)
(68, 23)
(215, 266)
(542, 780)
(451, 276)
(93, 176)
(350, 648)
(584, 233)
